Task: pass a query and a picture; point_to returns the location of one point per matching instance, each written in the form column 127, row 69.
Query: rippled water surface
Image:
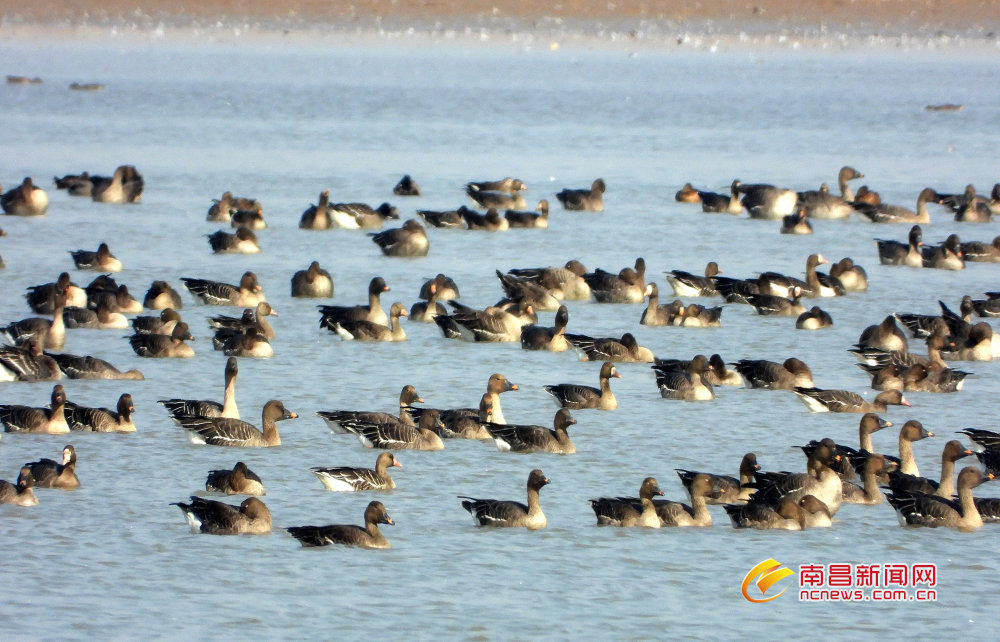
column 282, row 123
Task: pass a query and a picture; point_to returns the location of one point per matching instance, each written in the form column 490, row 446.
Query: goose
column 584, row 200
column 52, row 474
column 249, row 218
column 988, row 307
column 387, row 432
column 816, row 284
column 373, row 312
column 318, row 217
column 160, row 346
column 776, row 305
column 367, row 331
column 787, row 515
column 973, row 209
column 868, row 493
column 978, row 251
column 491, row 221
column 313, row 282
column 626, row 349
column 714, row 203
column 407, row 396
column 217, row 518
column 495, row 199
column 425, row 311
column 356, row 216
column 100, row 261
column 201, row 408
column 900, row 482
column 409, row 240
column 656, row 313
column 20, row 493
column 243, row 241
column 578, row 397
column 50, row 332
column 249, row 344
column 764, row 201
column 910, row 432
column 445, row 288
column 25, row 200
column 823, row 205
column 687, row 284
column 884, row 213
column 42, row 298
column 105, row 291
column 347, row 535
column 814, row 318
column 628, row 286
column 524, row 290
column 947, row 256
column 468, row 423
column 454, row 219
column 687, row 194
column 164, row 323
column 797, row 223
column 821, row 400
column 492, row 325
column 247, row 294
column 88, row 367
column 770, row 375
column 221, row 210
column 256, row 318
column 100, row 318
column 161, row 296
column 536, row 337
column 508, row 185
column 622, row 511
column 346, row 479
column 920, row 509
column 531, row 439
column 506, row 513
column 821, row 481
column 406, row 187
column 726, row 489
column 238, row 481
column 51, row 420
column 564, row 283
column 124, row 186
column 884, row 336
column 74, row 184
column 101, row 419
column 892, row 252
column 865, row 195
column 224, row 431
column 696, row 316
column 988, row 445
column 685, row 385
column 539, row 219
column 852, row 277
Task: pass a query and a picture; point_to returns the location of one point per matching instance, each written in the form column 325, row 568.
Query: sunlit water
column 282, row 123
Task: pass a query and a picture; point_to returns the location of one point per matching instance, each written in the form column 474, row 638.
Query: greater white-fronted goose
column 892, row 252
column 821, row 481
column 26, row 199
column 249, row 344
column 406, row 187
column 101, row 419
column 776, row 305
column 787, row 515
column 539, row 219
column 946, row 323
column 161, row 296
column 367, row 331
column 453, row 219
column 223, row 431
column 347, row 535
column 726, row 489
column 104, row 290
column 697, row 316
column 318, row 217
column 42, row 298
column 313, row 282
column 687, row 194
column 243, row 241
column 715, row 203
column 764, row 201
column 507, row 513
column 622, row 511
column 74, row 184
column 88, row 367
column 624, row 350
column 688, row 284
column 347, row 479
column 686, row 384
column 536, row 337
column 816, row 284
column 409, row 240
column 584, row 200
column 161, row 346
column 222, row 209
column 100, row 318
column 770, row 375
column 445, row 288
column 356, row 216
column 52, row 474
column 821, row 400
column 978, row 346
column 508, row 185
column 162, row 324
column 378, row 430
column 100, row 261
column 468, row 423
column 920, row 509
column 656, row 313
column 238, row 481
column 252, row 219
column 628, row 286
column 564, row 282
column 852, row 277
column 491, row 221
column 372, row 312
column 579, row 397
column 978, row 251
column 885, row 213
column 425, row 311
column 797, row 223
column 407, row 396
column 974, row 209
column 524, row 290
column 868, row 493
column 501, row 200
column 203, row 408
column 247, row 294
column 884, row 336
column 947, row 256
column 535, row 439
column 256, row 318
column 217, row 518
column 51, row 420
column 823, row 205
column 20, row 493
column 673, row 513
column 815, row 318
column 900, row 482
column 492, row 325
column 124, row 186
column 51, row 332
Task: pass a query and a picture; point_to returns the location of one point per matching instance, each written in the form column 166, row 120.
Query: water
column 282, row 122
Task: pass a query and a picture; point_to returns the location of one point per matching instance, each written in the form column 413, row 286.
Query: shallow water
column 282, row 123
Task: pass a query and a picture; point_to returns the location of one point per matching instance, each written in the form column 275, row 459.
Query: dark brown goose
column 686, row 384
column 247, row 294
column 51, row 420
column 467, row 423
column 362, row 330
column 238, row 481
column 42, row 298
column 539, row 219
column 52, row 474
column 406, row 187
column 584, row 200
column 87, row 367
column 372, row 312
column 622, row 511
column 20, row 493
column 409, row 240
column 216, row 518
column 102, row 419
column 628, row 286
column 624, row 350
column 101, row 260
column 162, row 324
column 820, row 400
column 507, row 513
column 947, row 256
column 578, row 397
column 533, row 439
column 900, row 482
column 726, row 489
column 313, row 282
column 920, row 509
column 347, row 535
column 203, row 408
column 51, row 332
column 553, row 339
column 161, row 346
column 892, row 252
column 242, row 241
column 227, row 326
column 770, row 375
column 378, row 430
column 124, row 186
column 347, row 479
column 26, row 199
column 682, row 515
column 222, row 431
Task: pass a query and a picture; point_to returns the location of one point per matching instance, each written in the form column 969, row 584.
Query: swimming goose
column 852, row 277
column 688, row 284
column 534, row 439
column 949, row 323
column 508, row 185
column 656, row 313
column 491, row 221
column 313, row 282
column 495, row 199
column 973, row 209
column 407, row 396
column 223, row 431
column 797, row 223
column 684, row 384
column 467, row 423
column 814, row 318
column 624, row 350
column 823, row 205
column 978, row 345
column 988, row 445
column 506, row 513
column 584, row 200
column 226, row 326
column 776, row 305
column 238, row 481
column 445, row 218
column 821, row 481
column 868, row 493
column 947, row 256
column 217, row 518
column 425, row 311
column 760, row 373
column 564, row 282
column 347, row 479
column 622, row 511
column 884, row 336
column 25, row 200
column 347, row 535
column 50, row 332
column 87, row 367
column 865, row 195
column 243, row 241
column 764, row 201
column 815, row 284
column 910, row 432
column 49, row 420
column 409, row 240
column 696, row 316
column 356, row 216
column 580, row 397
column 372, row 312
column 318, row 217
column 100, row 261
column 446, row 288
column 673, row 513
column 687, row 194
column 74, row 184
column 251, row 219
column 101, row 419
column 223, row 209
column 726, row 489
column 42, row 298
column 162, row 324
column 52, row 474
column 920, row 509
column 895, row 253
column 524, row 290
column 820, row 400
column 161, row 296
column 105, row 291
column 536, row 337
column 124, row 186
column 202, row 408
column 712, row 202
column 20, row 493
column 900, row 482
column 628, row 286
column 884, row 213
column 247, row 293
column 406, row 187
column 363, row 330
column 100, row 318
column 160, row 346
column 787, row 515
column 379, row 430
column 249, row 343
column 982, row 252
column 539, row 219
column 492, row 325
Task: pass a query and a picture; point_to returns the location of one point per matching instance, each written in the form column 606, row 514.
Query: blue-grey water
column 282, row 122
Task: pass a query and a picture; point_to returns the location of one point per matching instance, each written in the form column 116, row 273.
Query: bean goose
column 87, row 367
column 243, row 241
column 202, row 408
column 101, row 419
column 238, row 481
column 223, row 431
column 347, row 535
column 622, row 511
column 20, row 493
column 372, row 312
column 467, row 423
column 409, row 240
column 531, row 439
column 161, row 346
column 770, row 375
column 51, row 420
column 377, row 430
column 363, row 330
column 507, row 513
column 584, row 200
column 27, row 199
column 51, row 332
column 820, row 400
column 892, row 252
column 217, row 518
column 625, row 350
column 347, row 479
column 684, row 384
column 247, row 294
column 579, row 397
column 726, row 489
column 921, row 509
column 313, row 282
column 101, row 260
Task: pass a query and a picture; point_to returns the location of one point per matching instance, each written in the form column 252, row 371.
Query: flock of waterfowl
column 754, row 499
